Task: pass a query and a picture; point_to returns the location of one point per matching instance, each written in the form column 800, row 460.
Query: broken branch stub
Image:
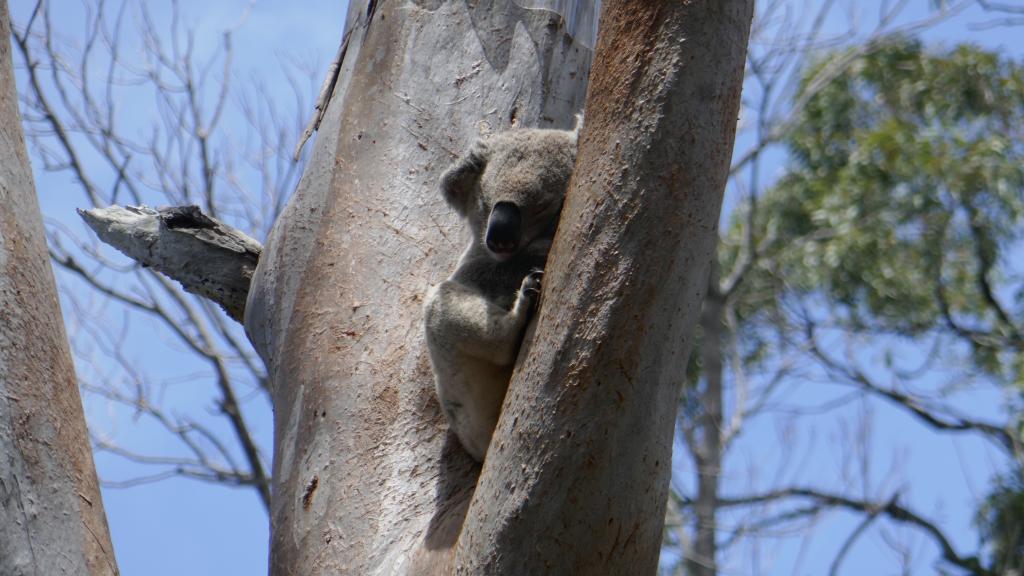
column 207, row 257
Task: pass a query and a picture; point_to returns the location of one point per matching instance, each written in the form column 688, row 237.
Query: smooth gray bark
column 367, row 480
column 51, row 515
column 576, row 479
column 206, row 256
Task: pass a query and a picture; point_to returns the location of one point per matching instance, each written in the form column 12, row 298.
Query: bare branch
column 946, row 422
column 208, row 258
column 324, row 97
column 1001, row 7
column 848, row 545
column 891, row 509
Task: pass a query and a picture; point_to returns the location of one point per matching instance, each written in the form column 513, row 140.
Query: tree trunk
column 577, row 477
column 366, row 481
column 708, row 453
column 51, row 514
column 366, row 478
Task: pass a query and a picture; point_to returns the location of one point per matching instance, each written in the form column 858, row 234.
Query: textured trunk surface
column 51, row 515
column 366, row 478
column 577, row 476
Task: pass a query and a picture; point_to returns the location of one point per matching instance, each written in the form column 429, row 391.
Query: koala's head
column 509, row 187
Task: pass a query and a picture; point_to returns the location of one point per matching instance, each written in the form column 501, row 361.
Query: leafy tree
column 1002, row 520
column 907, row 170
column 899, row 220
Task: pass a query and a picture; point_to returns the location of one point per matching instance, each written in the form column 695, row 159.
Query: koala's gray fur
column 509, row 189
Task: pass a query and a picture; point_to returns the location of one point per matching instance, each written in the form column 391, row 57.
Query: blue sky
column 181, row 526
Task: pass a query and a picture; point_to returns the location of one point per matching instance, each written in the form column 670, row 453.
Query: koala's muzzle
column 503, row 229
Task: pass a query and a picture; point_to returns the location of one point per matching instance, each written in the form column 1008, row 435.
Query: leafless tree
column 77, row 102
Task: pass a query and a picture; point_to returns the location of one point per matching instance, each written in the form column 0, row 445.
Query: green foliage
column 905, row 196
column 903, row 205
column 1001, row 520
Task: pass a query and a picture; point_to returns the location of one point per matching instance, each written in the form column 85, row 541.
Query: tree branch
column 984, row 252
column 601, row 408
column 850, row 540
column 947, row 422
column 207, row 257
column 890, row 509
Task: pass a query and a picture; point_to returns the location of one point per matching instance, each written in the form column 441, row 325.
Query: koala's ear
column 460, row 178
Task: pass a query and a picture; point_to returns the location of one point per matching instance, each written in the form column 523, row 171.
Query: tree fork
column 367, row 479
column 576, row 479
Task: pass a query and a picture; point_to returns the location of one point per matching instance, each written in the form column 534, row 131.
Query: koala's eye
column 538, row 205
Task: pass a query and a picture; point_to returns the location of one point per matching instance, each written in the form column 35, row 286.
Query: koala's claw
column 530, row 290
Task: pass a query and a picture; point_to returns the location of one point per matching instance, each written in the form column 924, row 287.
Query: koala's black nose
column 503, row 228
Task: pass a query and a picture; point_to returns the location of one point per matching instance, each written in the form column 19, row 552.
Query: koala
column 508, row 189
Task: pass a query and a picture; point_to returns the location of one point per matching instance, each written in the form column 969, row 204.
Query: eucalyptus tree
column 365, row 478
column 885, row 256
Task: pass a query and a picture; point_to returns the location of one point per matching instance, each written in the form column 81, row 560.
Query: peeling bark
column 206, row 256
column 576, row 479
column 51, row 514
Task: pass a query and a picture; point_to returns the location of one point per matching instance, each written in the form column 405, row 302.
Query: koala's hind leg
column 469, row 323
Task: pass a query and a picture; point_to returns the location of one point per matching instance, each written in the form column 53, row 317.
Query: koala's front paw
column 530, row 289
